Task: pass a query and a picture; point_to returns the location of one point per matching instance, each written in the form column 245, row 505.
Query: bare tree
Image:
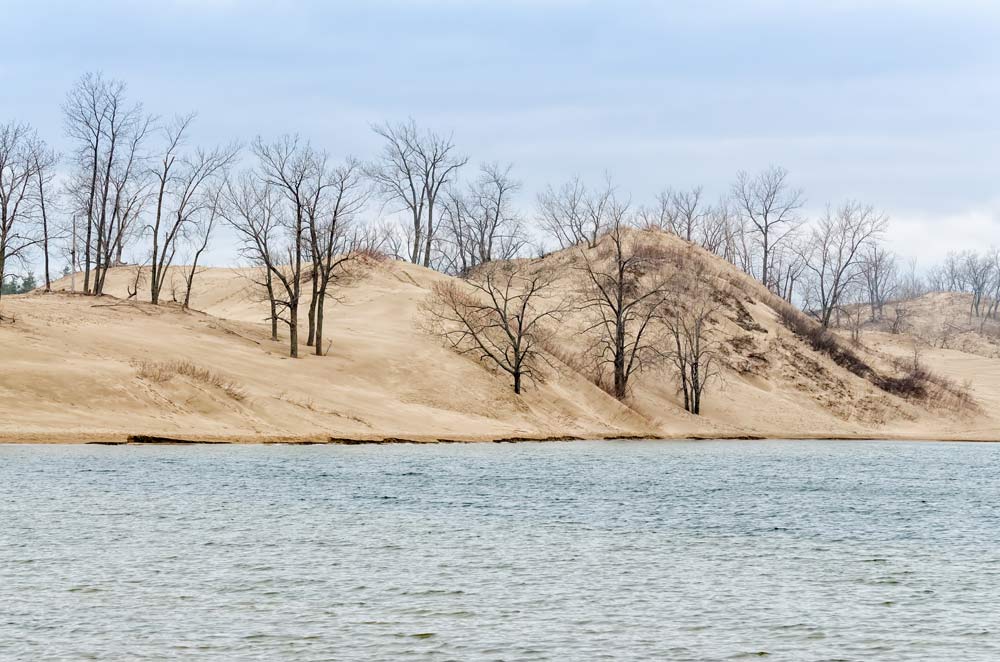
column 692, row 346
column 291, row 168
column 125, row 190
column 624, row 291
column 834, row 253
column 690, row 212
column 718, row 231
column 45, row 164
column 203, row 229
column 412, row 171
column 770, row 207
column 335, row 247
column 251, row 207
column 19, row 162
column 180, row 180
column 572, row 215
column 977, row 273
column 901, row 314
column 878, row 269
column 499, row 317
column 107, row 131
column 85, row 112
column 787, row 268
column 481, row 224
column 662, row 215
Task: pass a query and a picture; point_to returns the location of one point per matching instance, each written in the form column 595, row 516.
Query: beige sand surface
column 70, row 373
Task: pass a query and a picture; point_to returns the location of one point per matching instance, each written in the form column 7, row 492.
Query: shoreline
column 91, row 439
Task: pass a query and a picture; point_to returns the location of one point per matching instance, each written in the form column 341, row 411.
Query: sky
column 895, row 103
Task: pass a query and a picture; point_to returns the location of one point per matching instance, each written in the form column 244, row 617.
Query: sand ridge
column 73, row 371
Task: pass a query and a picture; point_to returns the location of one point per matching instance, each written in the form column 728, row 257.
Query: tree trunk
column 274, row 306
column 313, row 322
column 293, row 328
column 695, row 390
column 430, row 232
column 619, row 361
column 45, row 231
column 318, row 305
column 517, row 382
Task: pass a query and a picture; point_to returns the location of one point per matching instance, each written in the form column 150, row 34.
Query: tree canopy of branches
column 573, row 215
column 835, row 251
column 692, row 347
column 412, row 171
column 770, row 208
column 108, row 186
column 332, row 244
column 20, row 152
column 499, row 316
column 878, row 268
column 624, row 291
column 480, row 223
column 251, row 208
column 184, row 182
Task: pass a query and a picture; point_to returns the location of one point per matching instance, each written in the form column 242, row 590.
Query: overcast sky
column 893, row 102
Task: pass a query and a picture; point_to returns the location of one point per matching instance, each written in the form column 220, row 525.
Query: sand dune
column 77, row 368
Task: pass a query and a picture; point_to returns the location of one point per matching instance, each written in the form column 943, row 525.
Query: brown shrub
column 912, row 380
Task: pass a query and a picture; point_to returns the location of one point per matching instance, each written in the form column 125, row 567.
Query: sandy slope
column 70, row 373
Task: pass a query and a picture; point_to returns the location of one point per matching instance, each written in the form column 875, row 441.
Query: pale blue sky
column 896, row 103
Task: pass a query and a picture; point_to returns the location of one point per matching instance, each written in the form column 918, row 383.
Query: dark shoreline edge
column 151, row 440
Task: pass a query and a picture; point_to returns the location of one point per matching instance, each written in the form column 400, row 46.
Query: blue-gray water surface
column 557, row 551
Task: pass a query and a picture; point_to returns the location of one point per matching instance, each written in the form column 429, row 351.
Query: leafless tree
column 690, row 212
column 105, row 127
column 125, row 191
column 500, row 316
column 662, row 215
column 572, row 215
column 787, row 268
column 412, row 171
column 85, row 112
column 45, row 164
column 623, row 291
column 481, row 224
column 19, row 163
column 719, row 229
column 770, row 207
column 692, row 346
column 911, row 285
column 294, row 171
column 878, row 269
column 977, row 274
column 853, row 309
column 335, row 246
column 317, row 184
column 180, row 181
column 994, row 309
column 252, row 207
column 204, row 227
column 834, row 253
column 901, row 314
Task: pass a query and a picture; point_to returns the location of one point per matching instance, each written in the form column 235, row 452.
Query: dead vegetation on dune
column 160, row 372
column 910, row 380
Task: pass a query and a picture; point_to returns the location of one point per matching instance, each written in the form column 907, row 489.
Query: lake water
column 557, row 551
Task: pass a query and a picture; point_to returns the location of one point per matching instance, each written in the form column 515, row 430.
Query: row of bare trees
column 631, row 298
column 976, row 273
column 134, row 187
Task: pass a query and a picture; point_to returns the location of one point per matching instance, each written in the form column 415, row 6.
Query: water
column 561, row 551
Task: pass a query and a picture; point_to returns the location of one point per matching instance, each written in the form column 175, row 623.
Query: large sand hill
column 77, row 368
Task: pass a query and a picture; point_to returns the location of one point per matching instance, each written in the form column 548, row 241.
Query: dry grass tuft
column 163, row 371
